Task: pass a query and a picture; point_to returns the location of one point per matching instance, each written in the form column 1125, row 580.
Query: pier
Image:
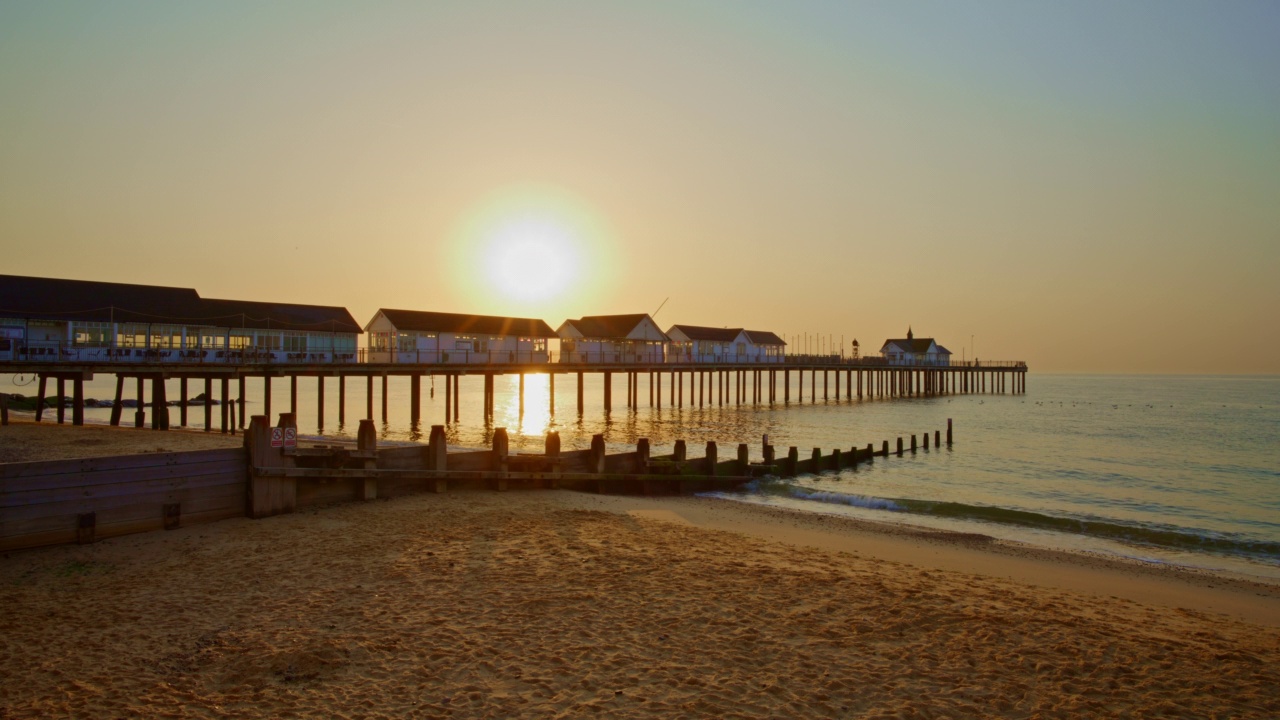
column 798, row 380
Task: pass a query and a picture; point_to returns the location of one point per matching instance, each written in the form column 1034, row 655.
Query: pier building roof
column 762, row 337
column 711, row 334
column 36, row 298
column 630, row 327
column 422, row 321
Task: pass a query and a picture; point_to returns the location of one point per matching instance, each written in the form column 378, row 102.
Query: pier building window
column 538, row 344
column 471, row 343
column 131, row 335
column 344, row 343
column 380, row 341
column 166, row 337
column 91, row 333
column 407, row 342
column 267, row 341
column 321, row 342
column 240, row 339
column 293, row 342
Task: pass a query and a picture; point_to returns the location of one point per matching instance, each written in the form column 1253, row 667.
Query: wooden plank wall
column 44, row 503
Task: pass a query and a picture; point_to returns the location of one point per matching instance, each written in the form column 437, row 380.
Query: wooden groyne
column 85, row 500
column 283, row 479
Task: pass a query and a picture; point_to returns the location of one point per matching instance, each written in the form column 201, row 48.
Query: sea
column 1163, row 469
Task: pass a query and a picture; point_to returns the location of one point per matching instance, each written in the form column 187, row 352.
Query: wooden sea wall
column 67, row 501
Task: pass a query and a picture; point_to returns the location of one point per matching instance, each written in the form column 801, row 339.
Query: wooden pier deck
column 698, row 384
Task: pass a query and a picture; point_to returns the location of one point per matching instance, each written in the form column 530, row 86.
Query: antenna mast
column 664, row 302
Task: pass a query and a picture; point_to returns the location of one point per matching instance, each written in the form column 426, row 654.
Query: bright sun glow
column 531, row 251
column 531, row 259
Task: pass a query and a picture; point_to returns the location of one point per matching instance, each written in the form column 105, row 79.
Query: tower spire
column 909, row 335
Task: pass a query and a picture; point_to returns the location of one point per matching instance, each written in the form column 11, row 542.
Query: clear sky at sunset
column 1088, row 186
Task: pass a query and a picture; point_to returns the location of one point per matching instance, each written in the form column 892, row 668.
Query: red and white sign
column 291, row 437
column 277, row 437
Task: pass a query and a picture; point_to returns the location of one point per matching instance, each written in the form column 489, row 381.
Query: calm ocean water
column 1173, row 469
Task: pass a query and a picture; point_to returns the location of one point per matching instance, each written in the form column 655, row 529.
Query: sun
column 532, row 251
column 531, row 259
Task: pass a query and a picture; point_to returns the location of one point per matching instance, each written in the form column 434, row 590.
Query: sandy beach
column 559, row 604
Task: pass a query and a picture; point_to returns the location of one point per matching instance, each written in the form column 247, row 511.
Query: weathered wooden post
column 342, row 399
column 366, row 437
column 948, row 432
column 226, row 404
column 913, row 442
column 552, row 451
column 159, row 405
column 268, row 494
column 815, row 460
column 937, row 436
column 768, row 454
column 642, row 450
column 139, row 415
column 240, row 399
column 926, row 440
column 208, row 403
column 835, row 454
column 501, row 450
column 438, row 457
column 293, row 395
column 744, row 459
column 77, row 400
column 415, row 398
column 40, row 397
column 793, row 461
column 62, row 400
column 367, row 445
column 871, row 453
column 580, row 403
column 679, row 454
column 384, row 399
column 182, row 402
column 116, row 407
column 266, row 395
column 884, row 449
column 595, row 460
column 608, row 391
column 712, row 458
column 899, row 446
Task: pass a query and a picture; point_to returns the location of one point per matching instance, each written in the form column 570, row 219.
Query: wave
column 1167, row 537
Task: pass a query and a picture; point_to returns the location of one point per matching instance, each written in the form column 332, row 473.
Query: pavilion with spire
column 912, row 350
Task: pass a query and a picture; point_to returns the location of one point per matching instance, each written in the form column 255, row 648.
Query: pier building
column 418, row 337
column 694, row 343
column 47, row 319
column 612, row 339
column 912, row 350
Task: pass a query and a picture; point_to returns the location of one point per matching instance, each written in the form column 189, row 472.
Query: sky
column 1087, row 186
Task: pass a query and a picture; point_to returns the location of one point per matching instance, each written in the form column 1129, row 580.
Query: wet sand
column 559, row 604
